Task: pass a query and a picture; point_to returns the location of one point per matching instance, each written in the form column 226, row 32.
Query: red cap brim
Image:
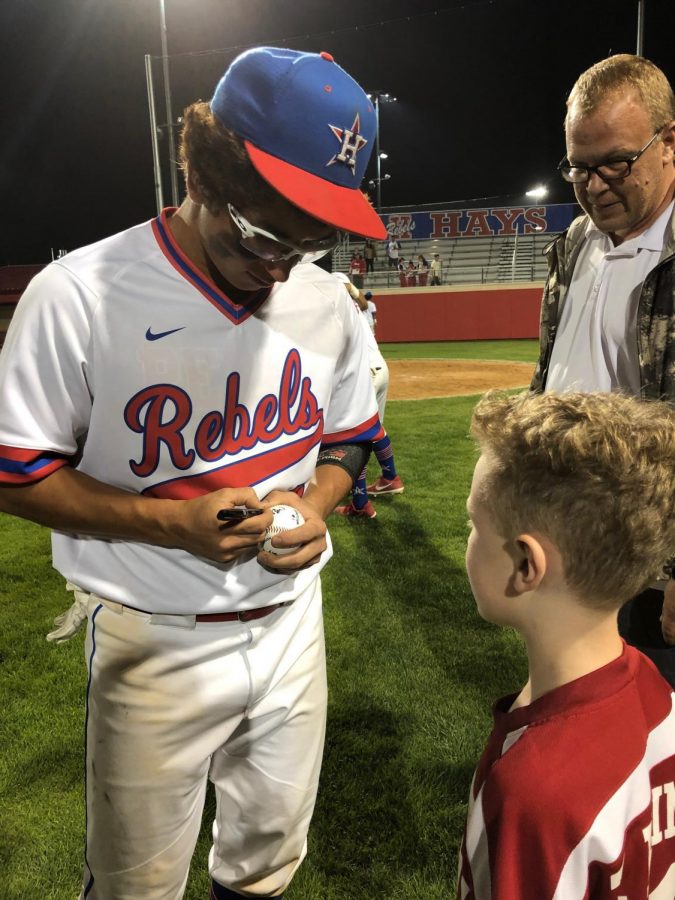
column 345, row 208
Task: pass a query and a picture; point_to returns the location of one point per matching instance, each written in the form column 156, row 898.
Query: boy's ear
column 530, row 564
column 193, row 188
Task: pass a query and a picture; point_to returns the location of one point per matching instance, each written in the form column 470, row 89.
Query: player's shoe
column 385, row 486
column 350, row 511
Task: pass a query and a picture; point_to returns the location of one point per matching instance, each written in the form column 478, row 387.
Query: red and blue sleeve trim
column 19, row 466
column 370, row 430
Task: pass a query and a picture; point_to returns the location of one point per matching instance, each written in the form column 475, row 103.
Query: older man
column 607, row 319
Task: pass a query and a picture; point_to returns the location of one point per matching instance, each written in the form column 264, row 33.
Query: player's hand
column 199, row 531
column 668, row 614
column 311, row 536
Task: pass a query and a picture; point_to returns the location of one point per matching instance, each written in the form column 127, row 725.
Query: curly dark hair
column 216, row 159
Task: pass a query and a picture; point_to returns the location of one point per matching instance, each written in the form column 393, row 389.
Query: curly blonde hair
column 624, row 71
column 595, row 473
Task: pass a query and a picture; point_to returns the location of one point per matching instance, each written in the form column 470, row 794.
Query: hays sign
column 486, row 222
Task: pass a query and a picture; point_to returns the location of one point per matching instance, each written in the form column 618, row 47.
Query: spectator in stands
column 422, row 267
column 436, row 269
column 369, row 254
column 607, row 320
column 357, row 269
column 389, row 481
column 393, row 250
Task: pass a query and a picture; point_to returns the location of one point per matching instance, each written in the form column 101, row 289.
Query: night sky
column 481, row 87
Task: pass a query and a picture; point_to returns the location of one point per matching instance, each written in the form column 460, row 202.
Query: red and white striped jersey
column 574, row 795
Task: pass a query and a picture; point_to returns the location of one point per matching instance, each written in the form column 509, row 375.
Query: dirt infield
column 420, row 379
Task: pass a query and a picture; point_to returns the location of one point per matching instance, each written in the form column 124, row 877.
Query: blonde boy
column 574, row 795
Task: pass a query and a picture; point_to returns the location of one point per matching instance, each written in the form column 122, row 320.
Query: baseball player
column 196, row 364
column 389, row 481
column 370, row 311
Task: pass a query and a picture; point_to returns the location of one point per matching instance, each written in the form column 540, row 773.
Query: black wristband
column 350, row 457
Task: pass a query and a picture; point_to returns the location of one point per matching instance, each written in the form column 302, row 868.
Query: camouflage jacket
column 655, row 334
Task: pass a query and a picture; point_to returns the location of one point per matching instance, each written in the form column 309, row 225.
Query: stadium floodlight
column 538, row 192
column 379, row 97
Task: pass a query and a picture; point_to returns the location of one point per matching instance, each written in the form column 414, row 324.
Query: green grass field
column 512, row 350
column 412, row 674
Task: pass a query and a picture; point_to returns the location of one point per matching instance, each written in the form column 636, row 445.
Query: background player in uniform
column 370, row 311
column 189, row 365
column 572, row 510
column 389, row 481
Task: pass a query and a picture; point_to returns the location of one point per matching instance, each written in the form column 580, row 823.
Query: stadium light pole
column 376, row 181
column 169, row 110
column 154, row 131
column 377, row 97
column 640, row 27
column 538, row 192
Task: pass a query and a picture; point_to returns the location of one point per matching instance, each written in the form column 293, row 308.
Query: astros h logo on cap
column 308, row 129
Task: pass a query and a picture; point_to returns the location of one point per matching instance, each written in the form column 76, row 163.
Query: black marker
column 236, row 513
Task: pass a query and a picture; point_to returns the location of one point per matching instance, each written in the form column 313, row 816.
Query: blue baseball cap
column 308, row 129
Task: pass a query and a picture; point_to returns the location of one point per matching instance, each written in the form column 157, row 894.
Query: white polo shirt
column 596, row 345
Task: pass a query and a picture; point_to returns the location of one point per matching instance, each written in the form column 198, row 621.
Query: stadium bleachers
column 475, row 260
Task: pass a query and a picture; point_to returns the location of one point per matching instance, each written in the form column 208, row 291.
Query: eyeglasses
column 611, row 170
column 267, row 246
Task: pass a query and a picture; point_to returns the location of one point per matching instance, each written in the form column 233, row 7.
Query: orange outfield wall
column 466, row 313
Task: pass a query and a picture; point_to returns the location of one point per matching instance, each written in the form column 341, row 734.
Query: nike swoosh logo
column 149, row 336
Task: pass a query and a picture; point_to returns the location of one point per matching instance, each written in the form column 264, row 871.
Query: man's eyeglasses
column 612, row 170
column 267, row 246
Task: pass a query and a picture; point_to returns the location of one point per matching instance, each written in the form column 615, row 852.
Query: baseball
column 285, row 518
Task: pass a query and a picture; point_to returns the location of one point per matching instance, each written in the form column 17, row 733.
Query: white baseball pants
column 380, row 376
column 172, row 703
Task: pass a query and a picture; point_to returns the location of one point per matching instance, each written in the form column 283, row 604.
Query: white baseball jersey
column 375, row 358
column 124, row 360
column 371, row 314
column 379, row 369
